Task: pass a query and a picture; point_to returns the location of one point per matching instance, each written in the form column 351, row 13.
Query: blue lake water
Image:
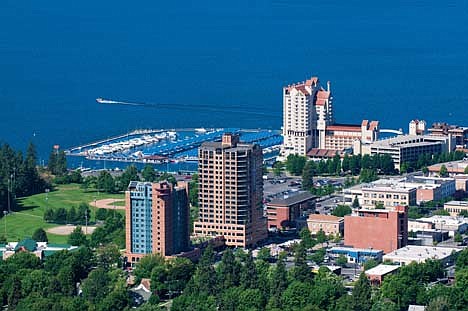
column 391, row 61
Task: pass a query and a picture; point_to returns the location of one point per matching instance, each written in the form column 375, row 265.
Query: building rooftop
column 452, row 167
column 321, row 217
column 420, row 253
column 355, row 250
column 457, row 203
column 294, row 199
column 382, row 269
column 408, row 141
column 446, row 220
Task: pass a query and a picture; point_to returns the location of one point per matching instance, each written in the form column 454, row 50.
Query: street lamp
column 5, row 213
column 47, row 197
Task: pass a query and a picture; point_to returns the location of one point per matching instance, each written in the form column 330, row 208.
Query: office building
column 157, row 219
column 385, row 230
column 408, row 148
column 283, row 212
column 307, row 110
column 329, row 224
column 231, row 191
column 419, row 254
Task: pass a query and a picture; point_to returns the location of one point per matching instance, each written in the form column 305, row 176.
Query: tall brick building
column 385, row 230
column 231, row 191
column 156, row 219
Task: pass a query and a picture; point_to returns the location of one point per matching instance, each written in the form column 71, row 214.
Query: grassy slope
column 29, row 214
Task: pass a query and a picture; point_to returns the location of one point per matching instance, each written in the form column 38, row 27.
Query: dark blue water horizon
column 392, row 62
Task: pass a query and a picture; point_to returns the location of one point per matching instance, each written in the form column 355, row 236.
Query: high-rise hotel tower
column 157, row 219
column 231, row 192
column 307, row 110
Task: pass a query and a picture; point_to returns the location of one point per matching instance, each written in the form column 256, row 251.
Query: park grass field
column 28, row 216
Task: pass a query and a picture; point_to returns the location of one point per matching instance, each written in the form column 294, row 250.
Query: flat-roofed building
column 283, row 212
column 230, row 196
column 452, row 224
column 459, row 133
column 418, row 225
column 456, row 207
column 329, row 224
column 389, row 195
column 419, row 254
column 386, row 230
column 453, row 167
column 356, row 255
column 407, row 148
column 377, row 274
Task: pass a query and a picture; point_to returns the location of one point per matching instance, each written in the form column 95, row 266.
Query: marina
column 168, row 150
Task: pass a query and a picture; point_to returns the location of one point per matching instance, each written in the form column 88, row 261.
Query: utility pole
column 86, row 222
column 5, row 213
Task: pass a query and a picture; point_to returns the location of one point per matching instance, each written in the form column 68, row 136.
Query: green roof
column 48, row 253
column 2, row 245
column 28, row 243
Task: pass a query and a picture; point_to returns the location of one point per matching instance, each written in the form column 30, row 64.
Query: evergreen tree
column 301, row 271
column 52, row 163
column 40, row 235
column 248, row 277
column 308, row 175
column 77, row 237
column 228, row 270
column 71, row 215
column 279, row 281
column 443, row 171
column 362, row 293
column 204, row 280
column 148, row 173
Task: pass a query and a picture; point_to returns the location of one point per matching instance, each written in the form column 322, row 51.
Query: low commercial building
column 356, row 255
column 329, row 224
column 407, row 148
column 419, row 254
column 386, row 230
column 418, row 225
column 377, row 274
column 461, row 182
column 456, row 207
column 453, row 168
column 452, row 224
column 282, row 213
column 458, row 133
column 40, row 249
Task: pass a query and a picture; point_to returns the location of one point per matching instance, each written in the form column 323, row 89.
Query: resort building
column 385, row 230
column 156, row 219
column 329, row 224
column 456, row 207
column 407, row 148
column 344, row 136
column 230, row 186
column 40, row 249
column 282, row 213
column 458, row 133
column 417, row 127
column 307, row 110
column 419, row 254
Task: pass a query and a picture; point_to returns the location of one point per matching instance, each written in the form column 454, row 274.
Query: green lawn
column 29, row 214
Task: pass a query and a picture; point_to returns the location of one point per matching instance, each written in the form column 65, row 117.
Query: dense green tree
column 77, row 237
column 295, row 164
column 148, row 173
column 101, row 214
column 193, row 190
column 458, row 237
column 228, row 270
column 248, row 276
column 301, row 271
column 438, row 304
column 40, row 235
column 362, row 293
column 306, row 238
column 297, row 296
column 321, row 236
column 130, row 174
column 96, row 286
column 204, row 280
column 23, row 260
column 108, row 256
column 342, row 261
column 355, row 202
column 443, row 171
column 105, row 182
column 308, row 175
column 71, row 215
column 146, row 265
column 367, row 175
column 318, row 256
column 341, row 210
column 60, row 215
column 264, row 254
column 278, row 168
column 279, row 281
column 441, row 212
column 370, row 263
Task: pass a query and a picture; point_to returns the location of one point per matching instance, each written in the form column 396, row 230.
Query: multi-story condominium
column 386, row 230
column 157, row 219
column 307, row 110
column 230, row 192
column 407, row 148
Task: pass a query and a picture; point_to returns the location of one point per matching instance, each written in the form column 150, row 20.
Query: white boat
column 200, row 130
